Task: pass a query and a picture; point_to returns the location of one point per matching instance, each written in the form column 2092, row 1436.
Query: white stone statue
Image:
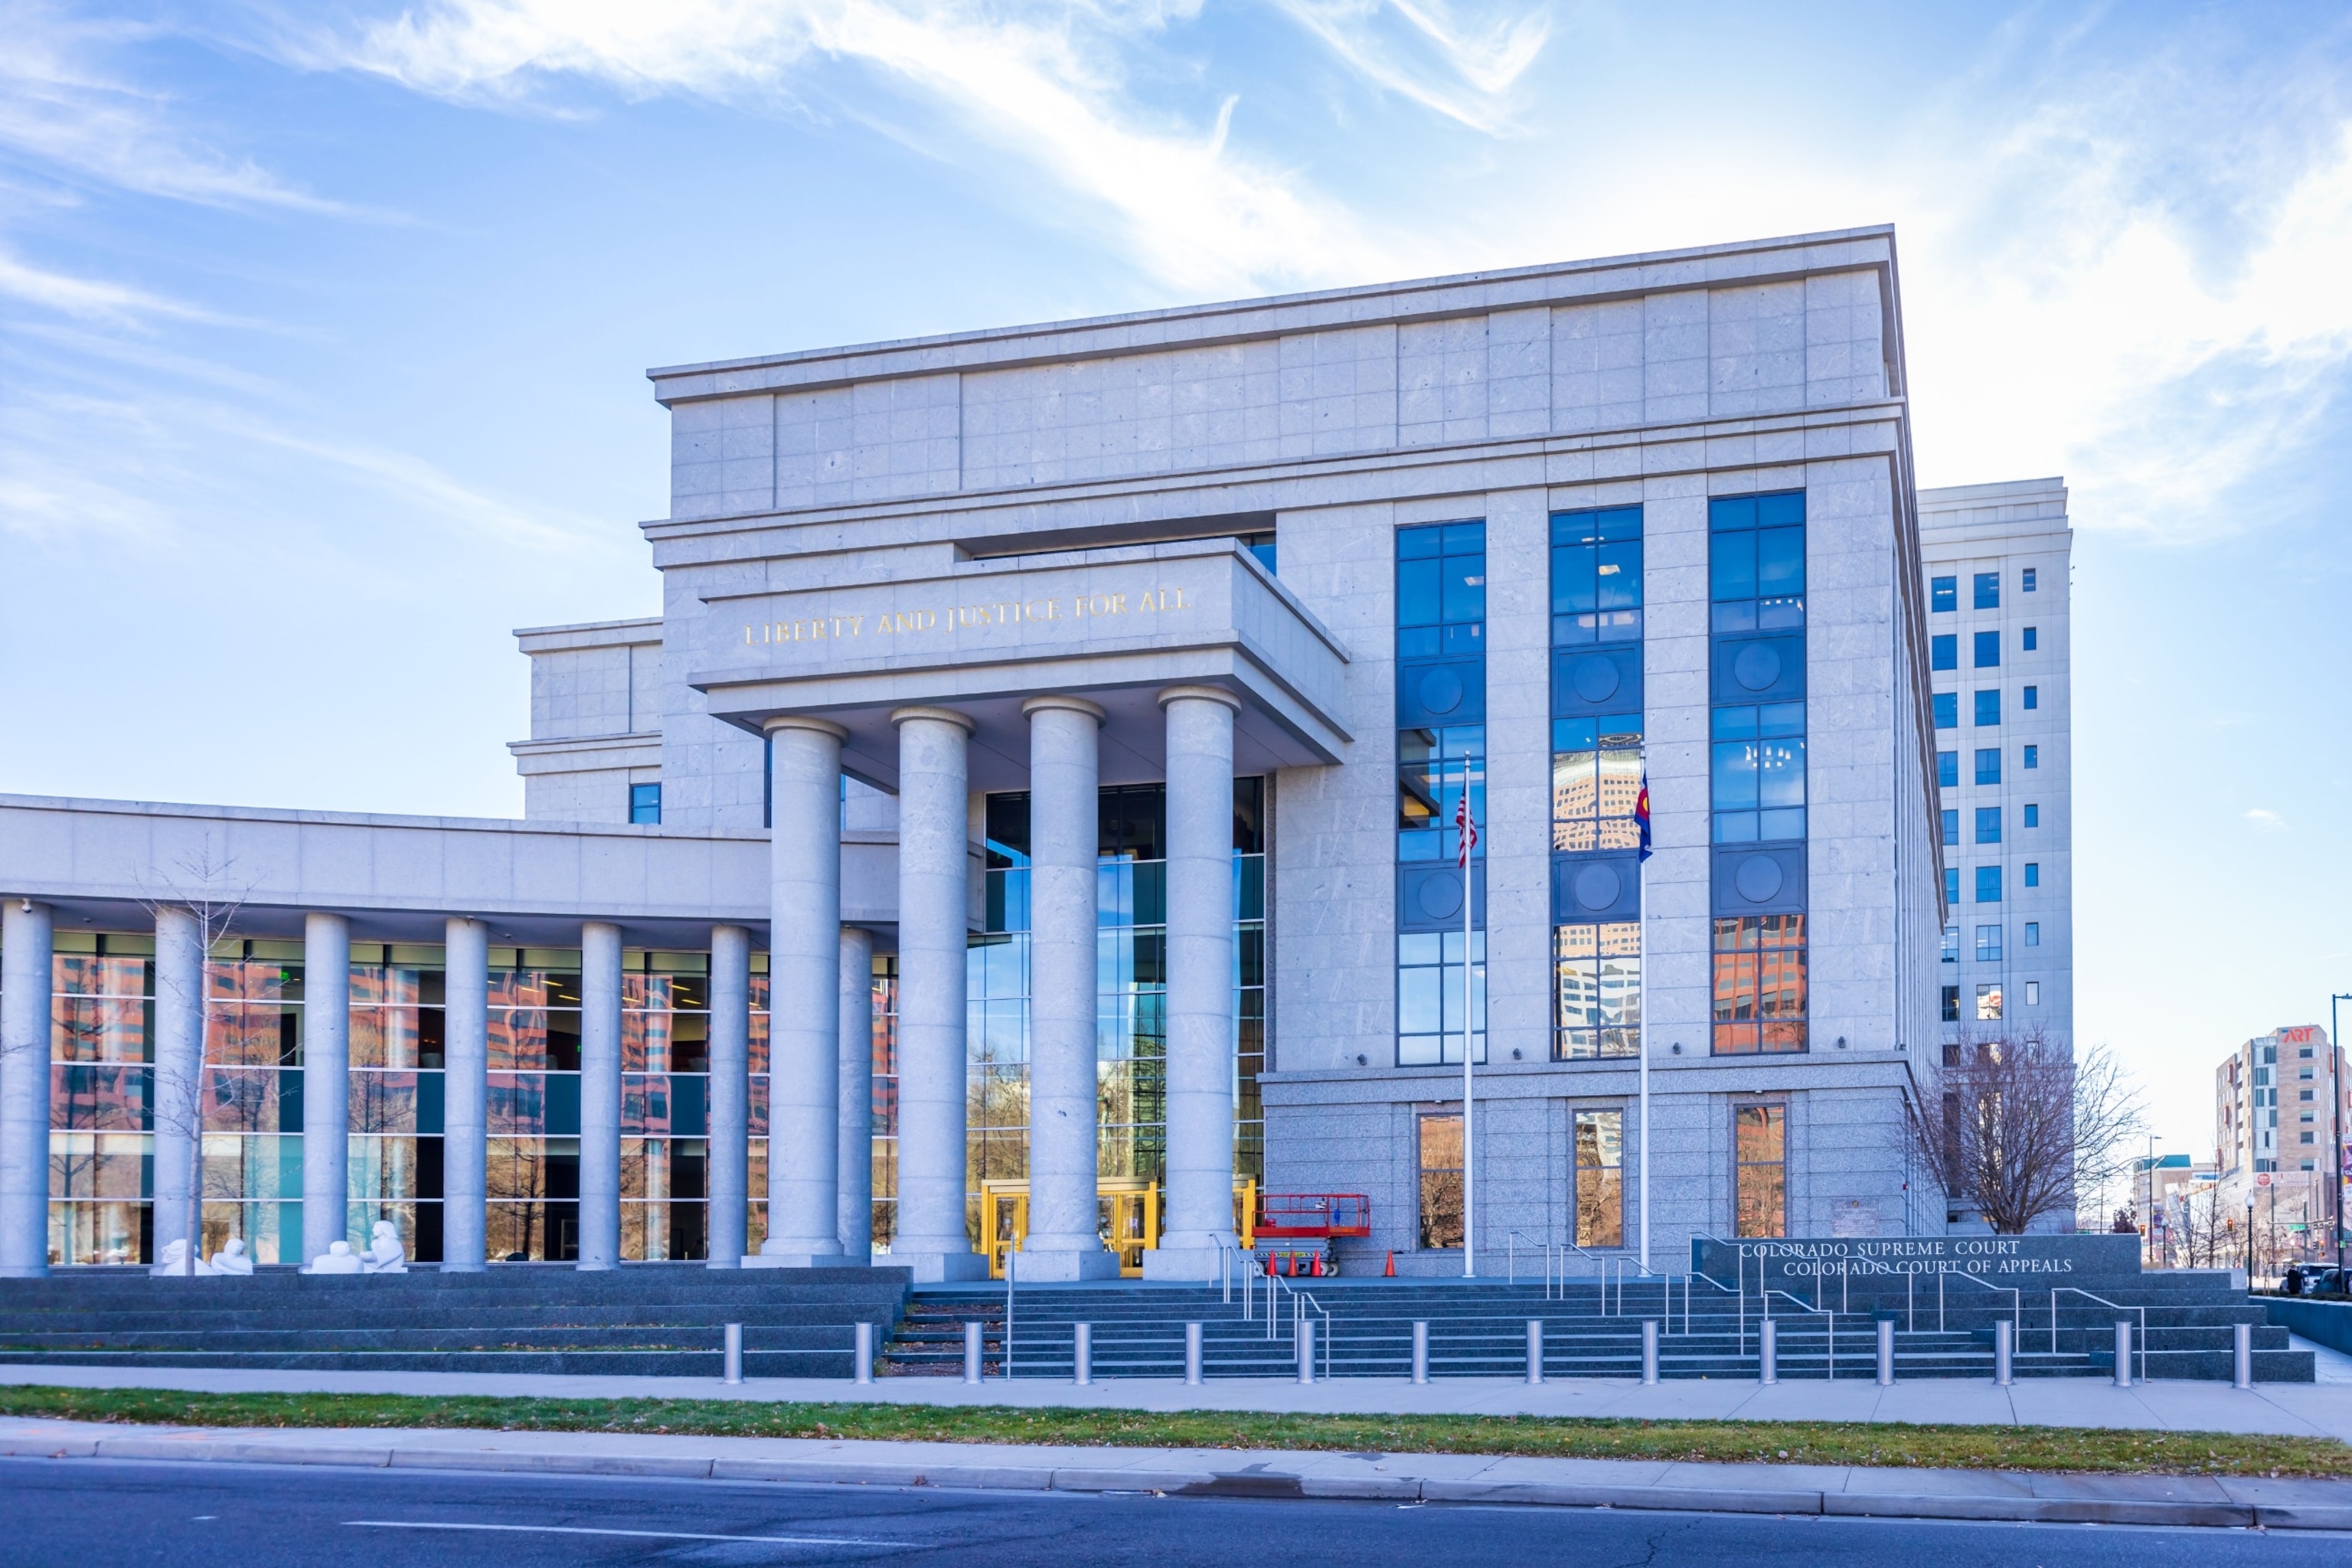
column 384, row 1254
column 175, row 1261
column 232, row 1258
column 339, row 1258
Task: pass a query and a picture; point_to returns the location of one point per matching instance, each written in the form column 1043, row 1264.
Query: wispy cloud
column 89, row 299
column 2137, row 284
column 62, row 104
column 1462, row 68
column 2266, row 819
column 1042, row 85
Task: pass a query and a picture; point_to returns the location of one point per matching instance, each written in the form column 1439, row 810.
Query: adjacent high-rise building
column 1996, row 559
column 2279, row 1106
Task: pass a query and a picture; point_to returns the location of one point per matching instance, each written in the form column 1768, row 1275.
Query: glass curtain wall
column 886, row 1099
column 398, row 1027
column 1131, row 992
column 1756, row 577
column 1596, row 782
column 1441, row 647
column 101, row 1046
column 664, row 1096
column 252, row 1100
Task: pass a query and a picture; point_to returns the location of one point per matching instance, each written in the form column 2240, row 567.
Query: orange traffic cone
column 1389, row 1272
column 1318, row 1266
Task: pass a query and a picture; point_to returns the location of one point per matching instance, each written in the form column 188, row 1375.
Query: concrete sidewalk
column 1852, row 1491
column 2303, row 1410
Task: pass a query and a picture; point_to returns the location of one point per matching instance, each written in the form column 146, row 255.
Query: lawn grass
column 2046, row 1448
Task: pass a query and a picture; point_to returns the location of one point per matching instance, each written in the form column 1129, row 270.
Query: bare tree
column 200, row 888
column 2018, row 1127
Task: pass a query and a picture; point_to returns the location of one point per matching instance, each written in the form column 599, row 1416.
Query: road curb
column 2094, row 1504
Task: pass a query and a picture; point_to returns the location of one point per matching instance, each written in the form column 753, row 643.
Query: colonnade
column 819, row 1174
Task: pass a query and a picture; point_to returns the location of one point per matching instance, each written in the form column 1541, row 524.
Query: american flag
column 1466, row 829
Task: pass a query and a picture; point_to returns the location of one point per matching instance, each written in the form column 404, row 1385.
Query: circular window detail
column 1594, row 677
column 1441, row 896
column 1757, row 879
column 1440, row 691
column 1757, row 667
column 1596, row 886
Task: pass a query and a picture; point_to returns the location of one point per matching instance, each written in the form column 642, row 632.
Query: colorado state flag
column 1642, row 812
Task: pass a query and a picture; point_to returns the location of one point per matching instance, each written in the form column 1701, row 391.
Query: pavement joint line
column 1845, row 1491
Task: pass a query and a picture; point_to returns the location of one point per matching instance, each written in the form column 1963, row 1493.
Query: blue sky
column 322, row 327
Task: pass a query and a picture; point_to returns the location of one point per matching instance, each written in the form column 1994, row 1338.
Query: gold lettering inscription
column 956, row 617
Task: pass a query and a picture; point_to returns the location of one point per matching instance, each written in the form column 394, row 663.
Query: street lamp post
column 2250, row 1240
column 2336, row 1129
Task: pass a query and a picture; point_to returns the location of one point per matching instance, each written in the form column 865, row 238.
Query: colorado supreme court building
column 1035, row 812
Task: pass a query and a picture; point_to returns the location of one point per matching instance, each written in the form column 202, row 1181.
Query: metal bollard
column 1306, row 1348
column 1191, row 1355
column 2004, row 1352
column 1649, row 1351
column 2122, row 1352
column 864, row 1372
column 2243, row 1345
column 1886, row 1352
column 732, row 1358
column 971, row 1351
column 1535, row 1350
column 1767, row 1353
column 1420, row 1350
column 1082, row 1355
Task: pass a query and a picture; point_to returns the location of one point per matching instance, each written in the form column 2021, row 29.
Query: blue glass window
column 1988, row 650
column 1943, row 592
column 1989, row 706
column 1596, row 576
column 2032, row 758
column 2032, row 698
column 2030, row 638
column 1757, row 561
column 2034, row 873
column 1947, row 710
column 2028, row 579
column 1758, row 773
column 1988, row 824
column 1434, row 767
column 1944, row 651
column 645, row 804
column 1262, row 546
column 1441, row 590
column 1988, row 945
column 1947, row 770
column 1989, row 764
column 2033, row 933
column 2032, row 817
column 1987, row 590
column 1987, row 884
column 1952, row 885
column 1952, row 828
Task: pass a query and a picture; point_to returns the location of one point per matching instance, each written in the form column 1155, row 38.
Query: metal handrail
column 1228, row 1258
column 1511, row 1240
column 1011, row 1253
column 1299, row 1303
column 2102, row 1301
column 2016, row 1300
column 1823, row 1312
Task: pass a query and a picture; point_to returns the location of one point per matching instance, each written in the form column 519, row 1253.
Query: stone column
column 465, row 1096
column 179, row 1064
column 934, row 839
column 26, row 979
column 805, row 996
column 1200, row 1203
column 856, row 1148
column 1064, row 828
column 729, row 1124
column 600, row 1095
column 326, row 1082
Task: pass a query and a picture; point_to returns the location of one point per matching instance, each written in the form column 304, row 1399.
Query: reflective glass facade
column 1440, row 644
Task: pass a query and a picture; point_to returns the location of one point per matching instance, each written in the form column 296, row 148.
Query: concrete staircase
column 1479, row 1329
column 661, row 1318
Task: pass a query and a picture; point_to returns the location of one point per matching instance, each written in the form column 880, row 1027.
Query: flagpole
column 1467, row 836
column 1642, row 1037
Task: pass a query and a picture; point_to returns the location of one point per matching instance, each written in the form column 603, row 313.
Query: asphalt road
column 84, row 1513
